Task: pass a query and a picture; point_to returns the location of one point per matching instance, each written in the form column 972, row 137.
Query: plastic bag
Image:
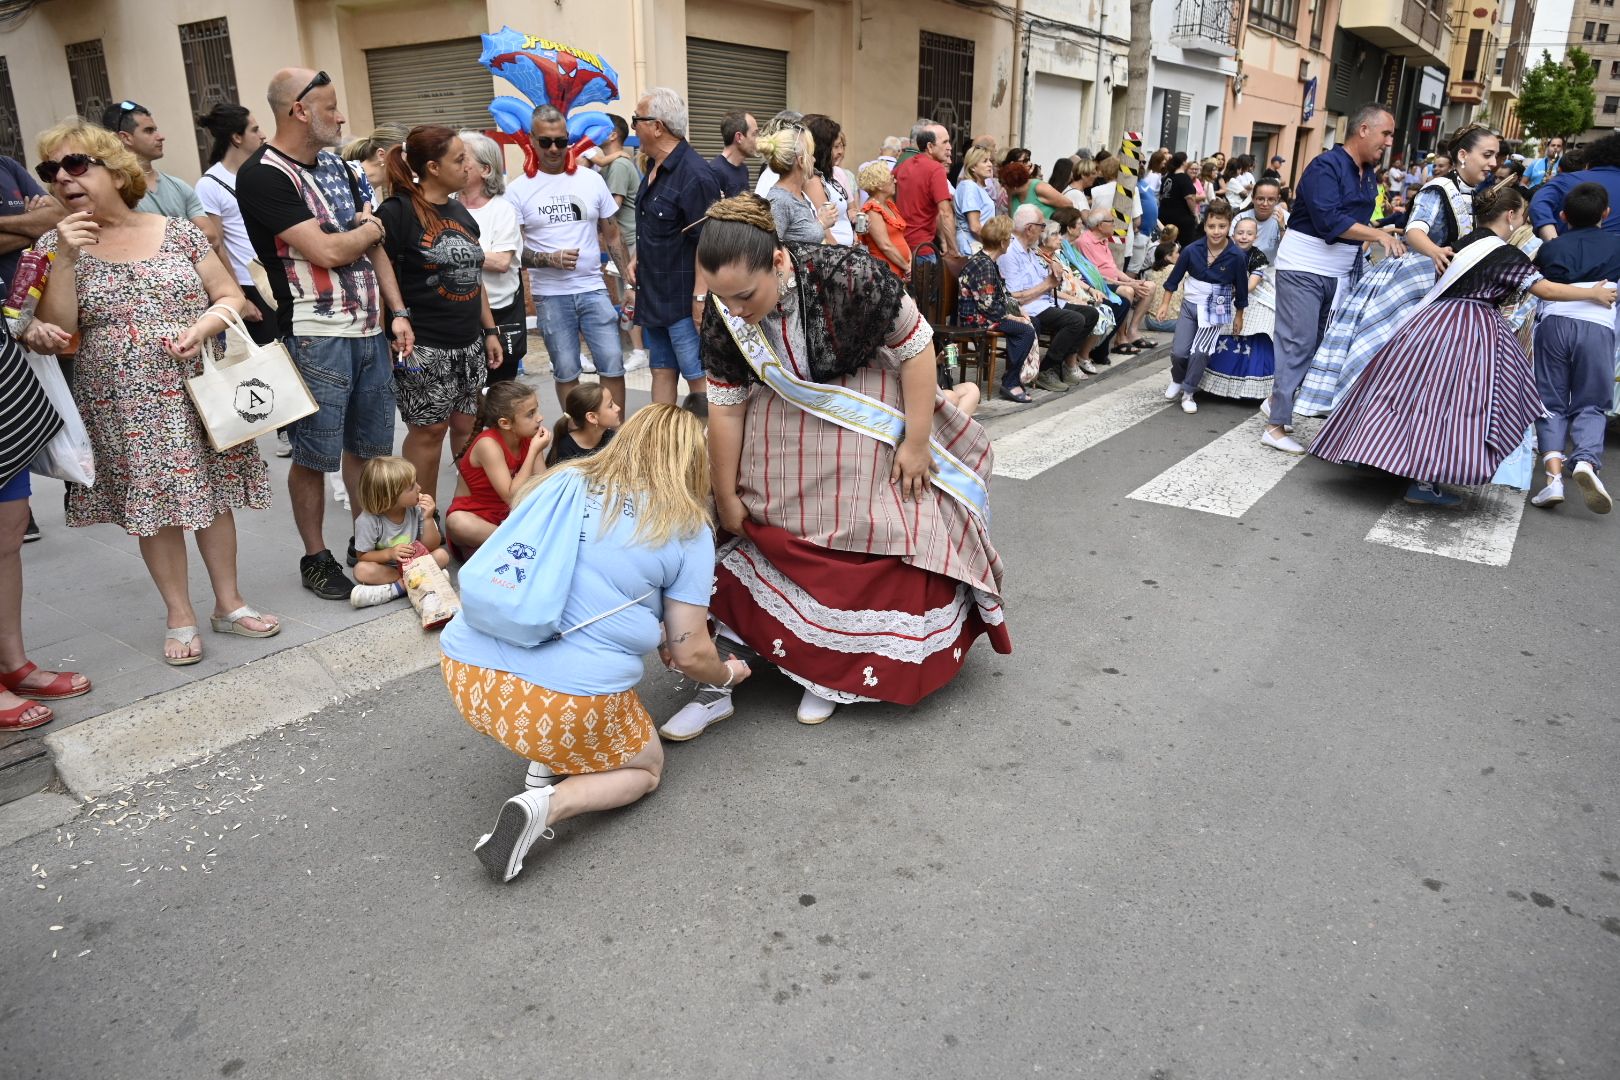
column 68, row 456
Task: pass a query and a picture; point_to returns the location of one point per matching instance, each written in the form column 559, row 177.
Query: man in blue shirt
column 1545, row 167
column 1602, row 167
column 740, row 132
column 675, row 195
column 26, row 214
column 1331, row 219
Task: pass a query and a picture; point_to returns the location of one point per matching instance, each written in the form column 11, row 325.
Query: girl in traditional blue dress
column 1367, row 318
column 1244, row 365
column 1448, row 398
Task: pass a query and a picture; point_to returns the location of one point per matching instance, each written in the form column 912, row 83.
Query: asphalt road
column 1254, row 798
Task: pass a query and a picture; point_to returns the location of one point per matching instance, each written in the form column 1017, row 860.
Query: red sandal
column 12, row 719
column 58, row 689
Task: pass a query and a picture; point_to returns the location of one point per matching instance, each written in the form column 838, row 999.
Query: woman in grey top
column 790, row 152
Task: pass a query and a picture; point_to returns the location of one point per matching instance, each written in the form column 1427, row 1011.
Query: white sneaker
column 587, row 365
column 283, row 445
column 1088, row 367
column 1172, row 391
column 1597, row 496
column 371, row 595
column 1284, row 442
column 539, row 776
column 636, row 360
column 1188, row 405
column 814, row 709
column 522, row 821
column 1551, row 495
column 711, row 706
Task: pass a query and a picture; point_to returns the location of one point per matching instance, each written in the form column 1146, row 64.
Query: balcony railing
column 1205, row 25
column 1420, row 17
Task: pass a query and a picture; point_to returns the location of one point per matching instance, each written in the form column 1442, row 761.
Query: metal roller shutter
column 721, row 77
column 440, row 82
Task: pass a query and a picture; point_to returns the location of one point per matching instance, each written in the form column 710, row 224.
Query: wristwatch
column 402, row 313
column 492, row 331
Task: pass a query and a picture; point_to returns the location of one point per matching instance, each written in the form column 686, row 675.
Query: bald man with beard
column 317, row 239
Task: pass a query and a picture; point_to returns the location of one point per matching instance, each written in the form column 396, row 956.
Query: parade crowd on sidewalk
column 817, row 500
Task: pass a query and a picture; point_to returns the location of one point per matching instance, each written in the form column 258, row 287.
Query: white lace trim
column 921, row 336
column 842, row 697
column 727, row 395
column 897, row 635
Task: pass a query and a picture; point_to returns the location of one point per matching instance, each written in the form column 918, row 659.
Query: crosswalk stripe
column 1227, row 476
column 1481, row 530
column 1030, row 451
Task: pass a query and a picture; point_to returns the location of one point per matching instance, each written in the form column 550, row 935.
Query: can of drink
column 627, row 314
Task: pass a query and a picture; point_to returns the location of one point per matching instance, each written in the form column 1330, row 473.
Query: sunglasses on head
column 75, row 164
column 550, row 142
column 321, row 79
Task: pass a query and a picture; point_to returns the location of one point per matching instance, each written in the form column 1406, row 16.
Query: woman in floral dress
column 136, row 288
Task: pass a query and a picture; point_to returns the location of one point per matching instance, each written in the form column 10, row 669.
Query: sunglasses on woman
column 75, row 164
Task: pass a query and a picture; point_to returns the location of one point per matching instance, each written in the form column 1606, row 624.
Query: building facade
column 1194, row 51
column 1512, row 52
column 1075, row 77
column 1477, row 32
column 1394, row 52
column 416, row 61
column 1275, row 103
column 1595, row 27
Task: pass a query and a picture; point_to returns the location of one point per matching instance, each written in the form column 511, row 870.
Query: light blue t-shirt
column 606, row 656
column 971, row 196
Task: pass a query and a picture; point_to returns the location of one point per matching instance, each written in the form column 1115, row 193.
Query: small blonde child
column 395, row 516
column 590, row 417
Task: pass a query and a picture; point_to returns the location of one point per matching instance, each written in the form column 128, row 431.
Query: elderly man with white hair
column 670, row 208
column 501, row 237
column 1034, row 284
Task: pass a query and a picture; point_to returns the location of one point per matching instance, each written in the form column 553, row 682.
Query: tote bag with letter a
column 243, row 398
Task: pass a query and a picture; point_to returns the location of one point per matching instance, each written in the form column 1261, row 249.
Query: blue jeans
column 1020, row 339
column 352, row 380
column 674, row 347
column 564, row 318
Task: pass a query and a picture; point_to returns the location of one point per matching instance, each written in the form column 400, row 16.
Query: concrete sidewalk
column 90, row 606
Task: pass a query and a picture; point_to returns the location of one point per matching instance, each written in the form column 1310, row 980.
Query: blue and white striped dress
column 1367, row 318
column 1448, row 398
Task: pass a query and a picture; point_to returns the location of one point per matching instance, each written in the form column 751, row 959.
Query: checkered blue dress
column 1367, row 318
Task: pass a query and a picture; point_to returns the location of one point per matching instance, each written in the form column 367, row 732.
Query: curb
column 111, row 751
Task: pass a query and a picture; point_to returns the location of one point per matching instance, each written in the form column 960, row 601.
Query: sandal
column 1018, row 394
column 1126, row 350
column 185, row 635
column 1143, row 343
column 12, row 719
column 232, row 624
column 60, row 688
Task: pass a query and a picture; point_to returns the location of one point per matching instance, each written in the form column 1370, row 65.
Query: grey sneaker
column 1051, row 380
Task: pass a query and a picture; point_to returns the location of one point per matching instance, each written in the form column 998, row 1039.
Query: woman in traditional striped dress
column 862, row 564
column 1448, row 398
column 1365, row 319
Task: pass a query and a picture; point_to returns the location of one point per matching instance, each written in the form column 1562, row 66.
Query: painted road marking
column 1030, row 451
column 1482, row 530
column 1227, row 476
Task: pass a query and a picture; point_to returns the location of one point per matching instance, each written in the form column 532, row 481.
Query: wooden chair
column 933, row 287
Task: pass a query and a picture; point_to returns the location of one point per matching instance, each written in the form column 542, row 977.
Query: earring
column 781, row 287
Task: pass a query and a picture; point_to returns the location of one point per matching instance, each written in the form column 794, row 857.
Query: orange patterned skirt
column 567, row 733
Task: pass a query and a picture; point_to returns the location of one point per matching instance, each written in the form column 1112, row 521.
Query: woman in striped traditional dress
column 1450, row 395
column 862, row 564
column 1365, row 319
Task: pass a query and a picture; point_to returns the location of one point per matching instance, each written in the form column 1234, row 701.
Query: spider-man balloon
column 548, row 73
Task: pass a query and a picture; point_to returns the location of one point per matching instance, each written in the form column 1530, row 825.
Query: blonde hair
column 660, row 460
column 382, row 481
column 1084, row 169
column 973, row 158
column 381, row 138
column 98, row 142
column 874, row 174
column 786, row 146
column 996, row 232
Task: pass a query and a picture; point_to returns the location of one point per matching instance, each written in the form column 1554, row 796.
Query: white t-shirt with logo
column 558, row 213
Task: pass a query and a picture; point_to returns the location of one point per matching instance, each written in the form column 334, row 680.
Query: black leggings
column 1069, row 327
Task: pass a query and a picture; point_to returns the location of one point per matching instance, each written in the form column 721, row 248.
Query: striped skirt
column 1362, row 323
column 1446, row 400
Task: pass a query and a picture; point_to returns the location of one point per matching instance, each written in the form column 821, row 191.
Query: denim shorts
column 563, row 319
column 674, row 347
column 352, row 380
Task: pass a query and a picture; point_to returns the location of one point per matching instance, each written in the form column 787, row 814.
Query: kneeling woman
column 646, row 557
column 857, row 491
column 1450, row 395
